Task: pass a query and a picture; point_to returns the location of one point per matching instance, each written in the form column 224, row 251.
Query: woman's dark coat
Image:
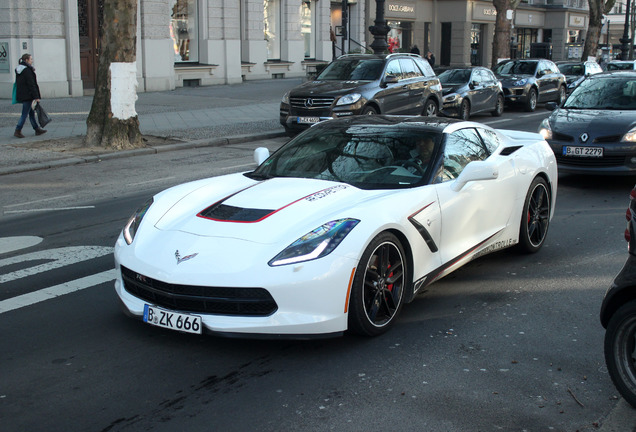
column 26, row 83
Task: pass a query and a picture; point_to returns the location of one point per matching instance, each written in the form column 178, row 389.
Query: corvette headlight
column 315, row 244
column 630, row 136
column 545, row 130
column 135, row 220
column 285, row 98
column 520, row 82
column 349, row 99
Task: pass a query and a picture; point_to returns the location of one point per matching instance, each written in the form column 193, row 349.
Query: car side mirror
column 476, row 170
column 551, row 106
column 391, row 79
column 260, row 155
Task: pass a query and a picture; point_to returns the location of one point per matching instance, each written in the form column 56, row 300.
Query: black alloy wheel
column 378, row 287
column 531, row 103
column 620, row 351
column 535, row 218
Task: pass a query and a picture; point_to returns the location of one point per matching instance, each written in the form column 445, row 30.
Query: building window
column 184, row 30
column 525, row 38
column 306, row 26
column 272, row 26
column 475, row 45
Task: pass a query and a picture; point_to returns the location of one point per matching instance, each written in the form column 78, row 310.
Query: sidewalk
column 188, row 117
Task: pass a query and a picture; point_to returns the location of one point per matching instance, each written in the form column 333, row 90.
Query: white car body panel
column 312, row 296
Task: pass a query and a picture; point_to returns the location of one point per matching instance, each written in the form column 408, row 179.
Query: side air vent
column 509, row 150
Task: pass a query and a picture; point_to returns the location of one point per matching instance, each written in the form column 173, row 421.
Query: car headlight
column 349, row 99
column 520, row 82
column 135, row 220
column 285, row 98
column 545, row 130
column 630, row 136
column 315, row 244
column 451, row 97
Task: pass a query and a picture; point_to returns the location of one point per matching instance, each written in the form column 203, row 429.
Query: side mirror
column 391, row 79
column 477, row 170
column 260, row 155
column 551, row 106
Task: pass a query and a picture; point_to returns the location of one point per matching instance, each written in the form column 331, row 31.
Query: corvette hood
column 596, row 123
column 262, row 211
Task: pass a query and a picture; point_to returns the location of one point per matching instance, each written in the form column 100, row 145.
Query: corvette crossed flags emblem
column 177, row 255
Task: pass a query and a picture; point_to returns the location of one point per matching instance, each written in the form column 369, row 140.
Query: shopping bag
column 14, row 99
column 43, row 117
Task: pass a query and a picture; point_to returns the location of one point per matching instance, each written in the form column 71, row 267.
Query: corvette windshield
column 608, row 92
column 353, row 70
column 366, row 156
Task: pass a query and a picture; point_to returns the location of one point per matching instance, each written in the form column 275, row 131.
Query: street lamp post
column 380, row 29
column 625, row 40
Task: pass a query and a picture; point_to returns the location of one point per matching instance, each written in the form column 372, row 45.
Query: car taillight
column 628, row 215
column 628, row 236
column 632, row 194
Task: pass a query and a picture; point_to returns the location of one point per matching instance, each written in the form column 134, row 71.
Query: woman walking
column 27, row 91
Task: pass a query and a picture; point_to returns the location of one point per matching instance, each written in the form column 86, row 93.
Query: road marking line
column 48, row 209
column 10, row 244
column 150, row 181
column 56, row 291
column 498, row 121
column 535, row 114
column 38, row 201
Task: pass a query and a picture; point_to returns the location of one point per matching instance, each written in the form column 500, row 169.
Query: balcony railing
column 574, row 4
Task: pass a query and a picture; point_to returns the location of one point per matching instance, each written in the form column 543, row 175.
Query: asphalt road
column 509, row 342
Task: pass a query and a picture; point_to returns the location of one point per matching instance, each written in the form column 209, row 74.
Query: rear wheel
column 562, row 95
column 531, row 103
column 499, row 107
column 377, row 293
column 464, row 110
column 430, row 108
column 620, row 351
column 535, row 218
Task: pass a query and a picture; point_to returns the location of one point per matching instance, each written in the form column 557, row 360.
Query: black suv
column 530, row 81
column 363, row 84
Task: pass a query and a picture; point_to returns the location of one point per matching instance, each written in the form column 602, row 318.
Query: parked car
column 577, row 71
column 595, row 130
column 530, row 81
column 337, row 229
column 469, row 91
column 364, row 84
column 620, row 65
column 618, row 317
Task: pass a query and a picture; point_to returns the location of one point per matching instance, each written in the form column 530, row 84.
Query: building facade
column 206, row 42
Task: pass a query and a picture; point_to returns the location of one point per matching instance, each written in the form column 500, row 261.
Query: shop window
column 306, row 21
column 400, row 37
column 272, row 28
column 475, row 45
column 184, row 30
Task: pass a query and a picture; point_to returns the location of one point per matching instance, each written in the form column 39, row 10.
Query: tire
column 464, row 110
column 562, row 96
column 531, row 103
column 369, row 111
column 499, row 107
column 379, row 284
column 535, row 218
column 430, row 108
column 619, row 347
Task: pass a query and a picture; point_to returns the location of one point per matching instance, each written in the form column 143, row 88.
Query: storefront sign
column 401, row 9
column 484, row 13
column 577, row 21
column 4, row 57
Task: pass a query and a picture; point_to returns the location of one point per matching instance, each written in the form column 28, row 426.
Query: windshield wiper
column 255, row 176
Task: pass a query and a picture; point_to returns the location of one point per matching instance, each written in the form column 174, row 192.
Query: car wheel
column 499, row 107
column 430, row 108
column 562, row 95
column 535, row 218
column 620, row 351
column 377, row 293
column 369, row 111
column 464, row 110
column 531, row 103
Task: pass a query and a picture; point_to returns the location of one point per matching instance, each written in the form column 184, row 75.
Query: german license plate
column 172, row 320
column 583, row 151
column 307, row 120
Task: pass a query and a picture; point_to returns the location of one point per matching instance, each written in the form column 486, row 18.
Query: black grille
column 200, row 299
column 608, row 139
column 562, row 137
column 605, row 161
column 311, row 102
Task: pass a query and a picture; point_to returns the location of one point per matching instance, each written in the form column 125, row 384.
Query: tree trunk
column 503, row 26
column 596, row 11
column 113, row 121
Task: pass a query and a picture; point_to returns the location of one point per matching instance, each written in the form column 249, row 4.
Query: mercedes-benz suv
column 363, row 84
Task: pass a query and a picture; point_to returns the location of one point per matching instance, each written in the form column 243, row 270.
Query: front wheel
column 464, row 110
column 499, row 107
column 377, row 293
column 535, row 218
column 531, row 103
column 620, row 351
column 562, row 95
column 369, row 111
column 430, row 108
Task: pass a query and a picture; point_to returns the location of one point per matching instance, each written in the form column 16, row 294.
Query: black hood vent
column 226, row 213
